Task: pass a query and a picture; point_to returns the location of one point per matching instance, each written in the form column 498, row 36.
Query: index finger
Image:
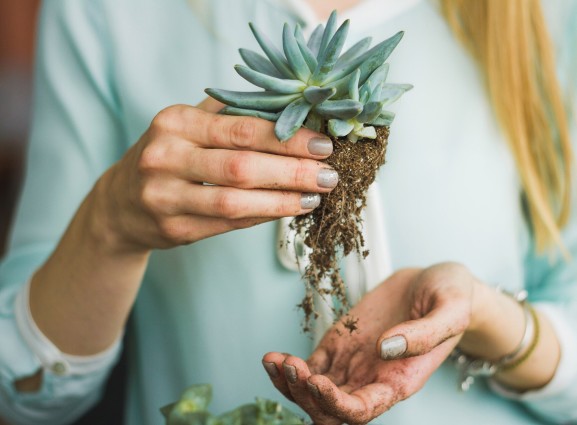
column 209, row 130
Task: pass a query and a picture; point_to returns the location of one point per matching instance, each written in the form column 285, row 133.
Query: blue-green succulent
column 310, row 83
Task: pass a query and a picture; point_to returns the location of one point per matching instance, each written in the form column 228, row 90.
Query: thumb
column 418, row 337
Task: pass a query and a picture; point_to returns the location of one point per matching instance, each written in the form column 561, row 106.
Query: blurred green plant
column 192, row 409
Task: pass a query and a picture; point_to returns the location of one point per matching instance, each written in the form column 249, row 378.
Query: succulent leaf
column 259, row 63
column 181, row 415
column 355, row 51
column 315, row 40
column 384, row 119
column 340, row 128
column 343, row 109
column 391, row 92
column 270, row 83
column 376, row 94
column 329, row 55
column 354, row 85
column 368, row 61
column 378, row 59
column 328, row 33
column 199, row 396
column 366, row 132
column 294, row 55
column 342, row 86
column 307, row 53
column 265, row 101
column 274, row 54
column 377, row 78
column 314, row 122
column 241, row 112
column 370, row 112
column 315, row 95
column 291, row 119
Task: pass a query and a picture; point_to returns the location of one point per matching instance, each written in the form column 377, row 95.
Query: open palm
column 346, row 378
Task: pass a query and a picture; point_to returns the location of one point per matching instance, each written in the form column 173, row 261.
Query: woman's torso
column 209, row 311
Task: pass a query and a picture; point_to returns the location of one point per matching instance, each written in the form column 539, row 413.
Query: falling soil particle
column 334, row 229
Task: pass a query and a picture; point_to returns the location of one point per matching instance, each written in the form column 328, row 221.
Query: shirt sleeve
column 75, row 136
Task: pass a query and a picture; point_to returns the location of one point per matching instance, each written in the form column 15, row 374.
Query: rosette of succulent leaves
column 312, row 84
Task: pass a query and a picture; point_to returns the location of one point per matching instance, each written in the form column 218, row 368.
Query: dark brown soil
column 334, row 229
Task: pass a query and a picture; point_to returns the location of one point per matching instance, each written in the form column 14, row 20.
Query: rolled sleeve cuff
column 50, row 357
column 70, row 384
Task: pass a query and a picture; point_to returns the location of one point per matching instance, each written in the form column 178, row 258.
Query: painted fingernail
column 394, row 347
column 320, row 146
column 270, row 369
column 290, row 373
column 314, row 390
column 310, row 201
column 327, row 178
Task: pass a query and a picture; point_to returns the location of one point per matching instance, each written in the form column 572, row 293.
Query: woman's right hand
column 195, row 174
column 155, row 197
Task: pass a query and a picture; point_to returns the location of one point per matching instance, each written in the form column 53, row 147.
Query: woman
column 110, row 179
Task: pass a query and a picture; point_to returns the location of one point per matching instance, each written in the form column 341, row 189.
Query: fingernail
column 270, row 369
column 327, row 178
column 314, row 390
column 320, row 146
column 290, row 373
column 310, row 201
column 394, row 347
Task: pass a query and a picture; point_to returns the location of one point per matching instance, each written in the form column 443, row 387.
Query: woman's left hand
column 416, row 316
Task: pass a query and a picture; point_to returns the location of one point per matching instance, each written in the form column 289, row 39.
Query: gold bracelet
column 470, row 367
column 536, row 334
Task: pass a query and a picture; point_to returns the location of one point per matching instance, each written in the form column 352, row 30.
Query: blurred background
column 17, row 36
column 17, row 24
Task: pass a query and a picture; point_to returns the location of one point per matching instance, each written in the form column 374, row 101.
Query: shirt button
column 58, row 368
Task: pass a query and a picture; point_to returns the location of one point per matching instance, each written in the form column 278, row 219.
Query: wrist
column 102, row 216
column 497, row 324
column 481, row 306
column 531, row 364
column 81, row 296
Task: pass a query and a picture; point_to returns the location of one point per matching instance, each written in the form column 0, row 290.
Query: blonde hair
column 510, row 41
column 200, row 9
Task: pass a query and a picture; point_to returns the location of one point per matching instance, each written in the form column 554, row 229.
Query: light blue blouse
column 209, row 311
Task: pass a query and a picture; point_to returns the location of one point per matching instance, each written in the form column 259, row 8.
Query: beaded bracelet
column 470, row 368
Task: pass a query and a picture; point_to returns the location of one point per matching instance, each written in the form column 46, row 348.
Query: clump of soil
column 334, row 229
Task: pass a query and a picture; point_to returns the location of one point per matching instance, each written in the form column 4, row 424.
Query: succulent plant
column 344, row 96
column 312, row 84
column 374, row 95
column 192, row 409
